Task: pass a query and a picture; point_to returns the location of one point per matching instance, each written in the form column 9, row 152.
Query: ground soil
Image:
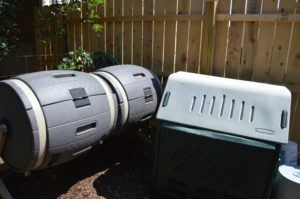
column 119, row 169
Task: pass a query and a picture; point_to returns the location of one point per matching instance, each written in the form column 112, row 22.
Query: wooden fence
column 255, row 40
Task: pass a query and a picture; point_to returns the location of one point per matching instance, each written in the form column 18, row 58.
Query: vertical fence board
column 57, row 47
column 96, row 39
column 118, row 29
column 169, row 37
column 71, row 31
column 235, row 41
column 39, row 50
column 222, row 28
column 47, row 51
column 281, row 43
column 101, row 36
column 293, row 66
column 194, row 41
column 110, row 27
column 158, row 37
column 182, row 37
column 127, row 48
column 85, row 30
column 249, row 41
column 264, row 44
column 208, row 36
column 78, row 30
column 37, row 32
column 93, row 36
column 137, row 45
column 293, row 112
column 295, row 128
column 148, row 34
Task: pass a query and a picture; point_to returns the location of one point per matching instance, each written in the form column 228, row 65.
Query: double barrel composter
column 53, row 116
column 217, row 137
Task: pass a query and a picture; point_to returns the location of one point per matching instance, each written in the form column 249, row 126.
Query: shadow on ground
column 121, row 168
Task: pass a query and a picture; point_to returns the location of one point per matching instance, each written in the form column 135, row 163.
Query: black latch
column 80, row 98
column 148, row 94
column 166, row 99
column 284, row 118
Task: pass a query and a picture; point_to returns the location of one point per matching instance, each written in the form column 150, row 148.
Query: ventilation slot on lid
column 193, row 104
column 222, row 105
column 202, row 104
column 242, row 110
column 139, row 75
column 232, row 109
column 212, row 105
column 64, row 75
column 252, row 114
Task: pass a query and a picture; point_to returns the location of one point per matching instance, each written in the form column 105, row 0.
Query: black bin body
column 199, row 163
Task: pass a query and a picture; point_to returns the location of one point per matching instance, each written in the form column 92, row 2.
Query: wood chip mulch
column 119, row 169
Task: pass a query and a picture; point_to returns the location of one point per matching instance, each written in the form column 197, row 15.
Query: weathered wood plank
column 281, row 43
column 208, row 35
column 220, row 48
column 118, row 30
column 295, row 127
column 249, row 42
column 235, row 38
column 78, row 39
column 137, row 45
column 127, row 34
column 85, row 30
column 71, row 31
column 158, row 37
column 148, row 35
column 109, row 29
column 182, row 37
column 293, row 67
column 263, row 53
column 97, row 40
column 194, row 42
column 293, row 115
column 169, row 37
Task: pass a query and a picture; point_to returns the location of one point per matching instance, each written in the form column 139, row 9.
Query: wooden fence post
column 208, row 36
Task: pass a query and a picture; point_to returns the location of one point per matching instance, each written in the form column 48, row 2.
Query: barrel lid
column 18, row 149
column 136, row 80
column 291, row 173
column 54, row 86
column 129, row 74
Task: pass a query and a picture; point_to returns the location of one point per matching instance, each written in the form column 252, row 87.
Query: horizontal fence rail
column 254, row 40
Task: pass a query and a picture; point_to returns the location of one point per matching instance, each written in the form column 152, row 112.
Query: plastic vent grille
column 238, row 107
column 217, row 106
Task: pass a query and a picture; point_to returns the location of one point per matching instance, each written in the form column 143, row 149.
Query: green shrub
column 78, row 60
column 9, row 30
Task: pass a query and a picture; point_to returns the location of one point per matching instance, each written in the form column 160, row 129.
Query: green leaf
column 97, row 27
